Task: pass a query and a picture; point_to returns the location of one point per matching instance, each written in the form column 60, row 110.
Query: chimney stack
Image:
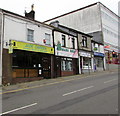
column 31, row 14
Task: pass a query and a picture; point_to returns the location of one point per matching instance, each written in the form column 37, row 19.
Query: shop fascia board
column 31, row 43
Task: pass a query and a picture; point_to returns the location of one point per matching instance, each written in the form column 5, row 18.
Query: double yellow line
column 16, row 90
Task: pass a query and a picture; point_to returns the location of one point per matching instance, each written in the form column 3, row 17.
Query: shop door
column 46, row 66
column 75, row 67
column 58, row 67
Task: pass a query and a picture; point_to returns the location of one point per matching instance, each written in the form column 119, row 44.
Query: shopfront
column 85, row 61
column 98, row 61
column 111, row 57
column 30, row 61
column 66, row 61
column 31, row 64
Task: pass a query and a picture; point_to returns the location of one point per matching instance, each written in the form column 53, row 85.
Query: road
column 94, row 94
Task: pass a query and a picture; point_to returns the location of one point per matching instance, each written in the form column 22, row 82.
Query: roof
column 79, row 10
column 62, row 31
column 76, row 31
column 23, row 17
column 97, row 42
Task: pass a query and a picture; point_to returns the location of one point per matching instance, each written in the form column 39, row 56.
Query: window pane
column 63, row 40
column 30, row 35
column 66, row 65
column 47, row 38
column 84, row 41
column 69, row 65
column 73, row 43
column 63, row 65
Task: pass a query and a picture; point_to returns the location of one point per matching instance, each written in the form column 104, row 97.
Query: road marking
column 26, row 88
column 110, row 80
column 16, row 90
column 18, row 109
column 77, row 90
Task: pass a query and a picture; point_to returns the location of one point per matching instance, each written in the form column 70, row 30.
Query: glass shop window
column 66, row 65
column 86, row 62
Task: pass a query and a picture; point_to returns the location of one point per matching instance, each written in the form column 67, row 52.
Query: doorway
column 58, row 66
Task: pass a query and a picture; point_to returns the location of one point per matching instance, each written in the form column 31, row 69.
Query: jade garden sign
column 62, row 51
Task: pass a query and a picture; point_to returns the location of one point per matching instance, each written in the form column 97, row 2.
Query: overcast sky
column 47, row 9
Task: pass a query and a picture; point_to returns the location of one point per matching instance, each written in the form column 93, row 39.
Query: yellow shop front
column 30, row 61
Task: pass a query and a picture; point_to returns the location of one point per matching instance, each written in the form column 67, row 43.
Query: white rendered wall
column 16, row 29
column 58, row 37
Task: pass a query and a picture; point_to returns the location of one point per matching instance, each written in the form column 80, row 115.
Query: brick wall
column 7, row 67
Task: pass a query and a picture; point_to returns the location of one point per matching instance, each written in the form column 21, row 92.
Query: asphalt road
column 95, row 94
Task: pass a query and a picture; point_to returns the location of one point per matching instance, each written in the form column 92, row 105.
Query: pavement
column 52, row 81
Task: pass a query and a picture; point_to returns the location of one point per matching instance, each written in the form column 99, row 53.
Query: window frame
column 48, row 40
column 66, row 64
column 30, row 35
column 84, row 41
column 63, row 39
column 73, row 42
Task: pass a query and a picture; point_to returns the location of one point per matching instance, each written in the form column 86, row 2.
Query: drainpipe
column 54, row 58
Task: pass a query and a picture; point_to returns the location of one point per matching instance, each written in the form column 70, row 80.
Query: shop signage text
column 85, row 54
column 61, row 51
column 31, row 47
column 98, row 54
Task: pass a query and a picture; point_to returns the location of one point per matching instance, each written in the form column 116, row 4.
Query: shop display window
column 24, row 59
column 66, row 64
column 99, row 62
column 86, row 62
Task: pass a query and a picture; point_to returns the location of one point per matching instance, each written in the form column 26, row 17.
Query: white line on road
column 77, row 90
column 19, row 108
column 110, row 81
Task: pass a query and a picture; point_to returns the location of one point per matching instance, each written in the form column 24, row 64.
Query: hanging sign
column 10, row 49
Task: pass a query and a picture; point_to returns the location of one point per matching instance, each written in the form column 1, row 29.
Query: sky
column 47, row 9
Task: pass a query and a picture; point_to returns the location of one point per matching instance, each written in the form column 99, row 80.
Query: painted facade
column 27, row 49
column 66, row 53
column 96, row 20
column 99, row 56
column 85, row 53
